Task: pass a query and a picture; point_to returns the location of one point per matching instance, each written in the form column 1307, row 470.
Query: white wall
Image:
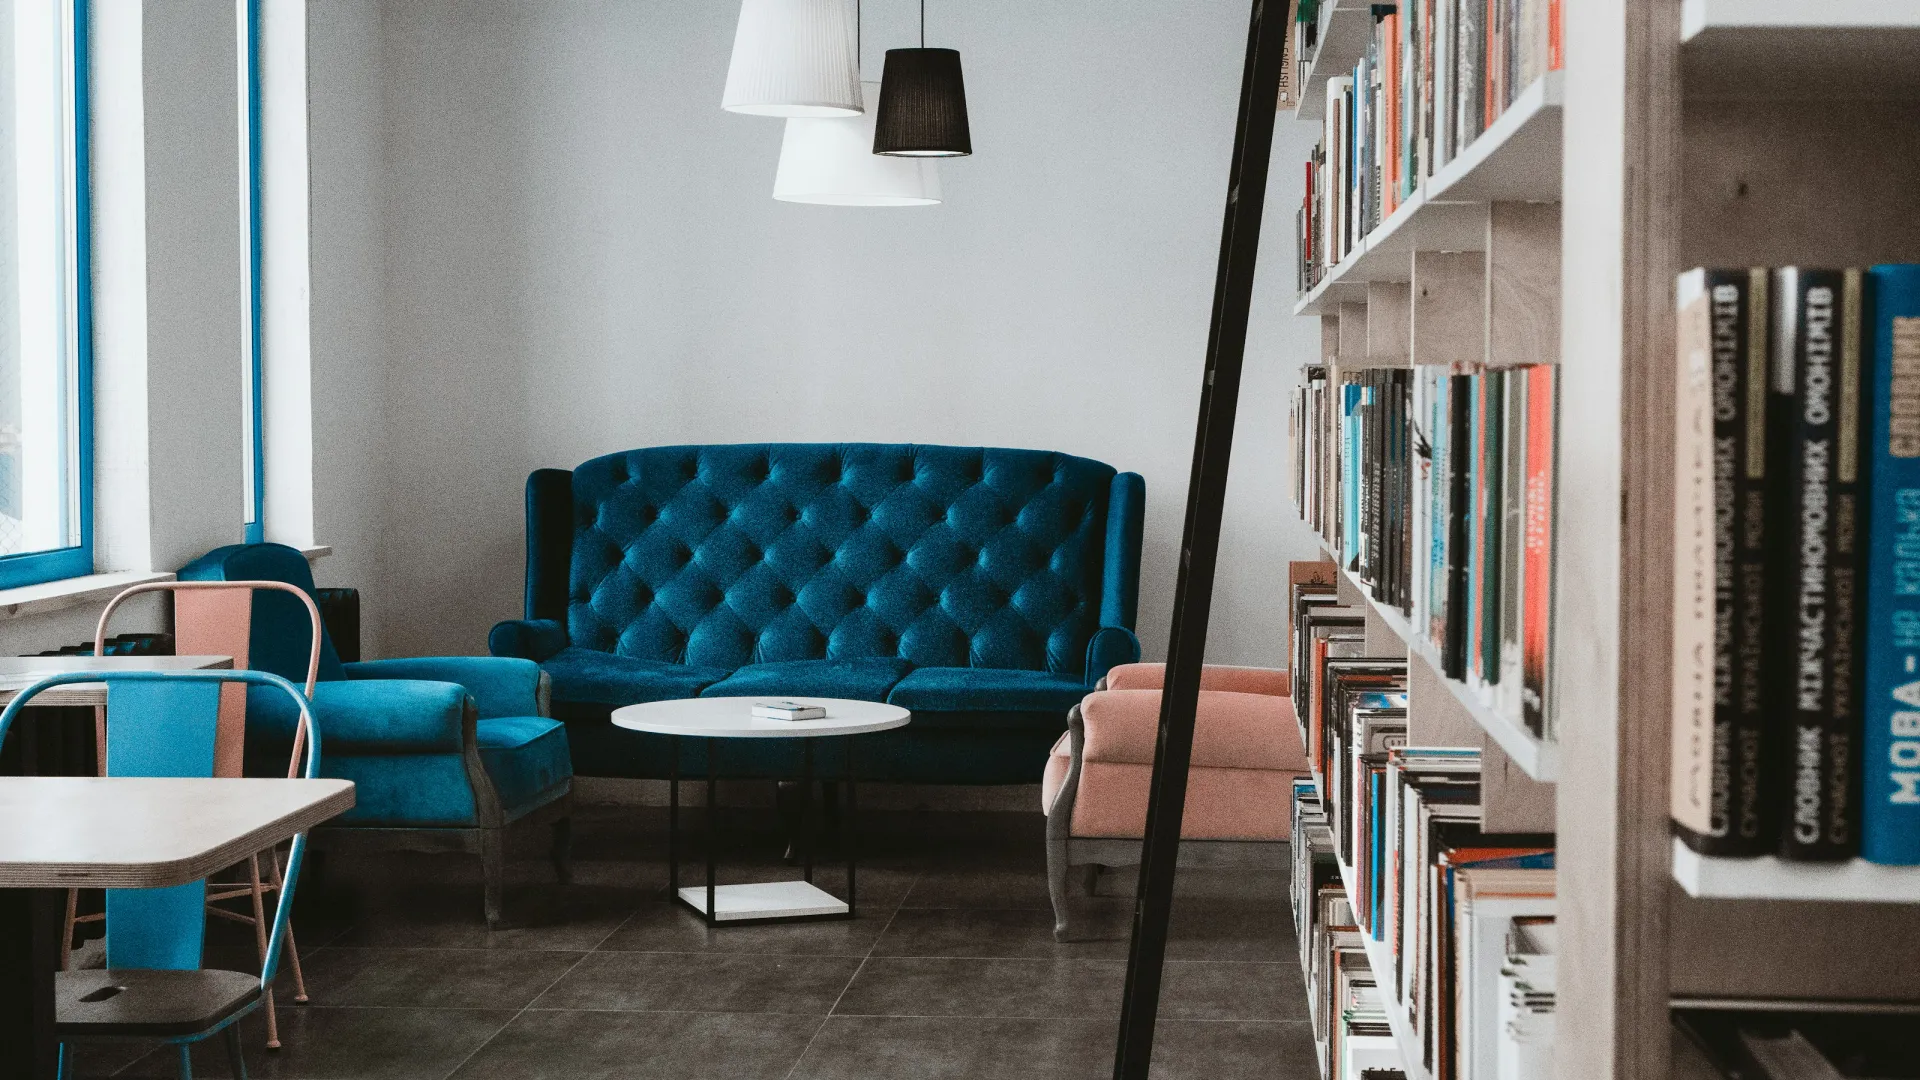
column 538, row 239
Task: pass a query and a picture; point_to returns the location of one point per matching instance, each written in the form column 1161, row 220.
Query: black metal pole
column 713, row 831
column 1200, row 544
column 673, row 824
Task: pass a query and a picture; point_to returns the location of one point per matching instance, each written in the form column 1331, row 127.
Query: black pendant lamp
column 923, row 103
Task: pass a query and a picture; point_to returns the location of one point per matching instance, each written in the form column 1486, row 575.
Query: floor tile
column 322, row 1043
column 950, row 986
column 433, row 978
column 566, row 918
column 1198, row 1050
column 980, row 887
column 702, row 982
column 1012, row 934
column 671, row 927
column 1210, row 990
column 1236, row 929
column 642, row 1046
column 958, row 1048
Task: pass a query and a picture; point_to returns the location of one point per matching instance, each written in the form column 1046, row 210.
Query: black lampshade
column 923, row 106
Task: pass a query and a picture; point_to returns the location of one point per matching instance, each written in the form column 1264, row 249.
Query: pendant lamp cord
column 923, row 23
column 858, row 58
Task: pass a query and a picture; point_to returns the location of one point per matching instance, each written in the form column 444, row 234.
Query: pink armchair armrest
column 1238, row 680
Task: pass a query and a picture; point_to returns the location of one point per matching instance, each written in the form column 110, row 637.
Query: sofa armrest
column 500, row 686
column 1274, row 682
column 528, row 639
column 1120, row 579
column 387, row 716
column 1110, row 647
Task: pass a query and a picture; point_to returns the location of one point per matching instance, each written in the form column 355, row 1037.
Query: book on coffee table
column 788, row 710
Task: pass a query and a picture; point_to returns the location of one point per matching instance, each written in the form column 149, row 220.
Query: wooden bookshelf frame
column 1703, row 132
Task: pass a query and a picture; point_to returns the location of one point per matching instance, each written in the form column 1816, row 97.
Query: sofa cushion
column 526, row 757
column 970, row 689
column 866, row 679
column 589, row 675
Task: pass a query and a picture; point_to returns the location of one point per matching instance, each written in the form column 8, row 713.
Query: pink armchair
column 1246, row 753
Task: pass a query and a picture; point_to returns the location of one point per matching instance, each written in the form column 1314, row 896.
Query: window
column 46, row 468
column 252, row 441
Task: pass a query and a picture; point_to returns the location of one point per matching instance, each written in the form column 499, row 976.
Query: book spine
column 1477, row 535
column 1453, row 651
column 1492, row 522
column 1890, row 746
column 1717, row 736
column 1805, row 394
column 1536, row 616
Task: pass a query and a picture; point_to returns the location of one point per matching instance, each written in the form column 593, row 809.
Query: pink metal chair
column 215, row 618
column 1246, row 754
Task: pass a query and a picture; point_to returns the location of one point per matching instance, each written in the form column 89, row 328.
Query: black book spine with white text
column 1813, row 407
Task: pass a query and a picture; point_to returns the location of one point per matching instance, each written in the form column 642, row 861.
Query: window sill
column 69, row 592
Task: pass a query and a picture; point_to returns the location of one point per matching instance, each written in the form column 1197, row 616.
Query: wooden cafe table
column 60, row 832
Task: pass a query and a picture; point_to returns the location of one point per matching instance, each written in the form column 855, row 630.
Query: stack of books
column 1345, row 1005
column 1797, row 563
column 1391, row 854
column 1435, row 75
column 1436, row 487
column 1526, row 1002
column 788, row 710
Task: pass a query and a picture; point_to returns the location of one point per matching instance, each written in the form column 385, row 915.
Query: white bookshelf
column 1770, row 878
column 1344, row 29
column 1537, row 757
column 1517, row 159
column 1795, row 50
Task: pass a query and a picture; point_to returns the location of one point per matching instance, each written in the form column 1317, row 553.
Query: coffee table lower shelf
column 765, row 900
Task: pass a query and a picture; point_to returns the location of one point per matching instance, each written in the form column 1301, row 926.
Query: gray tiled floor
column 951, row 970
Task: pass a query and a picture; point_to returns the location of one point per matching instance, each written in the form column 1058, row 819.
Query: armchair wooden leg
column 1090, row 879
column 1057, row 887
column 562, row 853
column 493, row 870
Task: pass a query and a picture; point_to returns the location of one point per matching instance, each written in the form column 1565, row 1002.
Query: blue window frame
column 253, row 441
column 46, row 317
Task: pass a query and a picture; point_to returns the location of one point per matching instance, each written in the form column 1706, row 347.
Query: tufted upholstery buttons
column 945, row 556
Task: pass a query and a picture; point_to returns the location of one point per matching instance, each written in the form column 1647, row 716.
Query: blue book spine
column 1890, row 825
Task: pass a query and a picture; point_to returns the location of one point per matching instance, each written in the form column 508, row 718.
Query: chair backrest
column 279, row 638
column 727, row 555
column 165, row 723
column 215, row 618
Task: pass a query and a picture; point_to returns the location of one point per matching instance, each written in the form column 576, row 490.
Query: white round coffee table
column 717, row 718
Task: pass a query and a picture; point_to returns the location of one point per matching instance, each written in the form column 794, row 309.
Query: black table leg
column 30, row 921
column 713, row 838
column 846, row 823
column 673, row 822
column 806, row 810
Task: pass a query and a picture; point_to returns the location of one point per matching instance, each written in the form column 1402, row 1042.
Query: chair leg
column 293, row 950
column 236, row 1060
column 1057, row 888
column 260, row 943
column 186, row 1060
column 66, row 928
column 562, row 853
column 63, row 1064
column 493, row 870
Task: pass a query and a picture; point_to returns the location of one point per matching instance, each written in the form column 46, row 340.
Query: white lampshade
column 830, row 160
column 794, row 58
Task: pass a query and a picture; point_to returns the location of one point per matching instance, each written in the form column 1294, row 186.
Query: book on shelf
column 1435, row 488
column 1795, row 1040
column 1525, row 1002
column 1433, row 76
column 1890, row 746
column 1796, row 693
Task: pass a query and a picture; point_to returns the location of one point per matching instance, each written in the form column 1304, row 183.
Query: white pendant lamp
column 830, row 160
column 794, row 58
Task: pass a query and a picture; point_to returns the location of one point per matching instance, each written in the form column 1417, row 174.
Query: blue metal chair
column 164, row 724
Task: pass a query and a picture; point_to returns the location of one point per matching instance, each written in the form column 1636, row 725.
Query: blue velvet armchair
column 985, row 589
column 446, row 752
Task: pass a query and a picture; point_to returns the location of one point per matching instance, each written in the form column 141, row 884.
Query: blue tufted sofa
column 985, row 589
